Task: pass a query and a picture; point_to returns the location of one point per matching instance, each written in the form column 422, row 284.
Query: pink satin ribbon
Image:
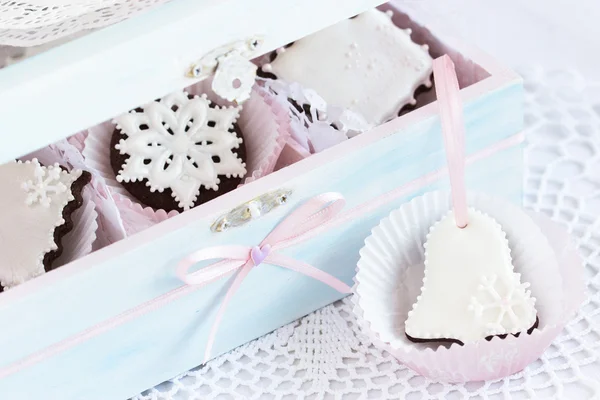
column 453, row 129
column 298, row 226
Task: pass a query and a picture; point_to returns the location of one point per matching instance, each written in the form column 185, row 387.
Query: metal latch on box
column 252, row 209
column 233, row 73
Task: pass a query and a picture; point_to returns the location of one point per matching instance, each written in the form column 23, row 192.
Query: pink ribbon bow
column 300, row 225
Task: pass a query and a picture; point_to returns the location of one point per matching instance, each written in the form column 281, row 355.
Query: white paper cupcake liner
column 265, row 126
column 389, row 279
column 79, row 241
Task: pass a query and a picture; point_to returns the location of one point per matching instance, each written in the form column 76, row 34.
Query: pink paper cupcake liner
column 68, row 152
column 306, row 136
column 390, row 273
column 265, row 126
column 136, row 217
column 266, row 151
column 292, row 153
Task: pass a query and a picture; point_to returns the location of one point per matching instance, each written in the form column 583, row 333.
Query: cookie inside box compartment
column 365, row 64
column 356, row 74
column 194, row 154
column 46, row 219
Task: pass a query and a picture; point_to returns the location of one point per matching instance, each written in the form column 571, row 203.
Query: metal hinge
column 234, row 74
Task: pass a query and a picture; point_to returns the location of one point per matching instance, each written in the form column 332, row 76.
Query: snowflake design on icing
column 46, row 183
column 180, row 143
column 510, row 302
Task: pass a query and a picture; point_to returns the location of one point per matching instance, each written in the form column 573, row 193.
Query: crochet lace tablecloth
column 326, row 355
column 38, row 22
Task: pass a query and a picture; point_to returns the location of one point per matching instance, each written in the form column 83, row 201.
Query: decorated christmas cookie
column 178, row 152
column 470, row 289
column 462, row 269
column 365, row 64
column 37, row 204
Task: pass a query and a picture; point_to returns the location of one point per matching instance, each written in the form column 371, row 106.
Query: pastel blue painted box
column 121, row 320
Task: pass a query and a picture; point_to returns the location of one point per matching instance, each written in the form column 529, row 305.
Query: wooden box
column 119, row 320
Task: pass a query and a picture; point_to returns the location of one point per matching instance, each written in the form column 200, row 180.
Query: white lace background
column 327, row 356
column 38, row 22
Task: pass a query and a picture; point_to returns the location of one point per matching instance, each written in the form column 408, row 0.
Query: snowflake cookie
column 470, row 290
column 178, row 152
column 36, row 213
column 365, row 64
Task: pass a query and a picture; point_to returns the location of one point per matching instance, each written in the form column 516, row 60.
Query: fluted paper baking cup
column 136, row 217
column 68, row 153
column 264, row 124
column 390, row 274
column 79, row 241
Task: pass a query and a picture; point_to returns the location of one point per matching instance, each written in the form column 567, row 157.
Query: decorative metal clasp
column 250, row 210
column 233, row 73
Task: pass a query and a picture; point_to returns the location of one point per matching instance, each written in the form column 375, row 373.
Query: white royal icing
column 234, row 78
column 365, row 64
column 32, row 203
column 470, row 290
column 46, row 181
column 180, row 150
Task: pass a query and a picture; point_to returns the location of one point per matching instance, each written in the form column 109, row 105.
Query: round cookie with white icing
column 178, row 152
column 365, row 64
column 36, row 206
column 470, row 289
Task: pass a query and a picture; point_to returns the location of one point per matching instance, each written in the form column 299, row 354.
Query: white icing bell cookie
column 36, row 207
column 178, row 152
column 365, row 64
column 470, row 289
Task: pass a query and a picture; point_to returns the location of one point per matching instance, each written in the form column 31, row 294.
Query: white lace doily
column 35, row 22
column 325, row 355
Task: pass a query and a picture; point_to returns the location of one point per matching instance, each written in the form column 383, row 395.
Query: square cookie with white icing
column 365, row 64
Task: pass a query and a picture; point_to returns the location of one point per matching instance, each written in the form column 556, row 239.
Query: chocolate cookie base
column 421, row 90
column 68, row 210
column 452, row 341
column 67, row 226
column 164, row 200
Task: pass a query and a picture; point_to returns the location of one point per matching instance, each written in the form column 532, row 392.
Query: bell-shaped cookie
column 470, row 289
